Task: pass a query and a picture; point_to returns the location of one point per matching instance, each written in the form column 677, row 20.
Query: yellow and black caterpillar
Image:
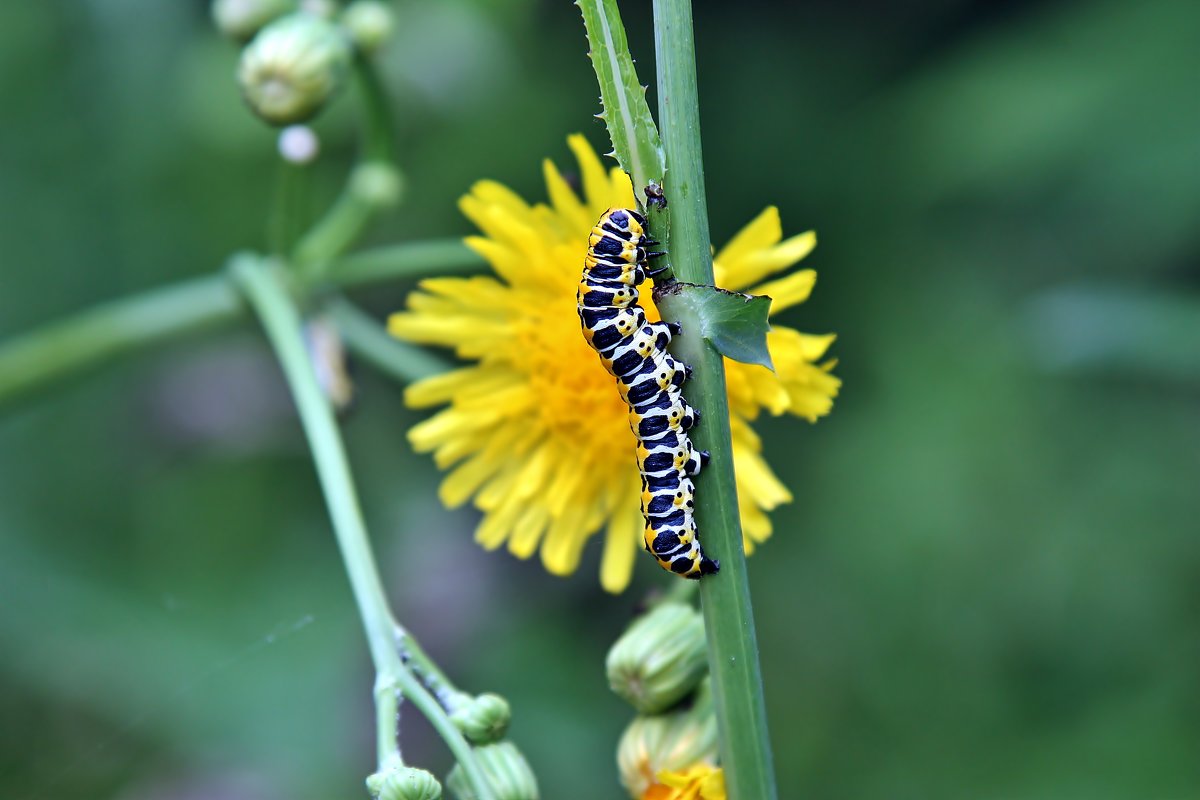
column 634, row 351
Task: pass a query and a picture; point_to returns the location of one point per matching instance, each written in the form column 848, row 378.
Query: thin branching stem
column 349, row 215
column 264, row 285
column 106, row 331
column 100, row 334
column 370, row 341
column 408, row 260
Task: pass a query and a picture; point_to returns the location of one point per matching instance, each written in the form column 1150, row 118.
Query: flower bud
column 398, row 782
column 377, row 183
column 483, row 719
column 505, row 769
column 369, row 22
column 674, row 741
column 293, row 66
column 241, row 19
column 659, row 659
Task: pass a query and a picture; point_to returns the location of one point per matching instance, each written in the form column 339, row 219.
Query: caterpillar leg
column 662, row 412
column 663, row 332
column 669, row 452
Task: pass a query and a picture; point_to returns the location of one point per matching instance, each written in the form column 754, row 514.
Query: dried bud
column 659, row 659
column 369, row 23
column 241, row 19
column 672, row 741
column 328, row 356
column 398, row 782
column 505, row 769
column 483, row 719
column 293, row 66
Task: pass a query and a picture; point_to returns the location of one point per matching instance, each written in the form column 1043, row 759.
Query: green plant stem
column 352, row 211
column 286, row 220
column 368, row 340
column 387, row 719
column 108, row 330
column 728, row 618
column 62, row 347
column 333, row 233
column 427, row 670
column 379, row 142
column 263, row 285
column 416, row 259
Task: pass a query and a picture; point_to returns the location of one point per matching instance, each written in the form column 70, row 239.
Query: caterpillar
column 634, row 351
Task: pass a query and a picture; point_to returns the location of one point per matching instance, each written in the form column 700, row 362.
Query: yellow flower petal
column 497, row 525
column 622, row 541
column 596, row 185
column 572, row 213
column 623, row 192
column 528, row 531
column 757, row 252
column 700, row 782
column 813, row 347
column 763, row 232
column 789, row 291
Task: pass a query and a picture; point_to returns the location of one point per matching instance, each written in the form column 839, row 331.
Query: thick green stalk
column 728, row 618
column 263, row 284
column 113, row 328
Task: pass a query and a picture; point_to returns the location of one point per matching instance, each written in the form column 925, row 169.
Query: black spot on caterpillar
column 634, row 351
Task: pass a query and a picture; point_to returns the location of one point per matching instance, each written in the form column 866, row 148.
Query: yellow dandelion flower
column 699, row 782
column 536, row 435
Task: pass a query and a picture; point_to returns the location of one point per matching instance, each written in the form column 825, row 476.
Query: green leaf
column 635, row 140
column 735, row 324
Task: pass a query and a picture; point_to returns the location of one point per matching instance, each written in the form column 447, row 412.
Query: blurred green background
column 989, row 583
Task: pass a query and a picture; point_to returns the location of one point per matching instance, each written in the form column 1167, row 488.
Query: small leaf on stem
column 735, row 324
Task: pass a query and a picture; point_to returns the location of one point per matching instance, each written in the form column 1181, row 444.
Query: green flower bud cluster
column 660, row 666
column 505, row 769
column 292, row 67
column 297, row 53
column 673, row 741
column 483, row 719
column 398, row 782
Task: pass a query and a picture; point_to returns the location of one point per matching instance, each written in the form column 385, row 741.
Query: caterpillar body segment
column 650, row 381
